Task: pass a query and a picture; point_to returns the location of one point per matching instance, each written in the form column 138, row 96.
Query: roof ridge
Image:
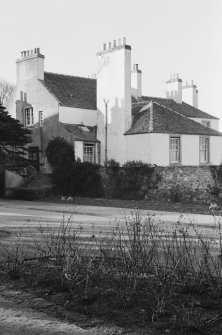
column 183, row 102
column 68, row 75
column 199, row 110
column 187, row 118
column 151, row 116
column 170, row 109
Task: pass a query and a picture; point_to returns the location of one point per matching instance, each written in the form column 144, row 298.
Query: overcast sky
column 167, row 36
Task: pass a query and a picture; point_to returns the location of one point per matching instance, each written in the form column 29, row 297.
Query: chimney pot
column 27, row 52
column 114, row 43
column 104, row 46
column 38, row 50
column 110, row 45
column 24, row 53
column 124, row 40
column 119, row 41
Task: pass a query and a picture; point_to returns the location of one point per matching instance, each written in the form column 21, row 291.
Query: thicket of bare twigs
column 140, row 265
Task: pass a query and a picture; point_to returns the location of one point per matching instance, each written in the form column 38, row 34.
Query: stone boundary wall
column 186, row 183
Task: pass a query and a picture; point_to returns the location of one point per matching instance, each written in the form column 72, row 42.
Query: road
column 28, row 217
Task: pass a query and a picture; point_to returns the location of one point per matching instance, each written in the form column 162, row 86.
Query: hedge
column 29, row 193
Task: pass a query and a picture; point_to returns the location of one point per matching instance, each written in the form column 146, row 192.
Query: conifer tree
column 13, row 138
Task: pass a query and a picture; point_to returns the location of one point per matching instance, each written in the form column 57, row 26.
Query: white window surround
column 89, row 152
column 204, row 150
column 29, row 117
column 175, row 150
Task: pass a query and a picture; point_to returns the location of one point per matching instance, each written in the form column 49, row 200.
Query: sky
column 166, row 36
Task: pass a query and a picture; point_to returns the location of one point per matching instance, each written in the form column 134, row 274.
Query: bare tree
column 6, row 89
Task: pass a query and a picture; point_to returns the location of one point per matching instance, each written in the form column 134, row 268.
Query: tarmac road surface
column 26, row 216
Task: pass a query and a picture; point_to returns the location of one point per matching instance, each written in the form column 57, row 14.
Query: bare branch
column 6, row 89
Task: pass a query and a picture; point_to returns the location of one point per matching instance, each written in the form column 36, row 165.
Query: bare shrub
column 14, row 258
column 144, row 262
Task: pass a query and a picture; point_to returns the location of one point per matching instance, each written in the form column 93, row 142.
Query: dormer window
column 29, row 117
column 206, row 123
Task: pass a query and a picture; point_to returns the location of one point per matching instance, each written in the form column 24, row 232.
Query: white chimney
column 190, row 94
column 136, row 81
column 174, row 88
column 30, row 64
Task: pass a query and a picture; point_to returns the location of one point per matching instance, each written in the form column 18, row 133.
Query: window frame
column 90, row 145
column 207, row 150
column 30, row 117
column 40, row 118
column 178, row 162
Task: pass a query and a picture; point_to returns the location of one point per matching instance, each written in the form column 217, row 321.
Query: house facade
column 109, row 118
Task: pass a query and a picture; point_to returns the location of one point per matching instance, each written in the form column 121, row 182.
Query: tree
column 60, row 155
column 59, row 152
column 6, row 89
column 13, row 138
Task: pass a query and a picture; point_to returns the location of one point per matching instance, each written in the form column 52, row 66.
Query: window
column 204, row 149
column 33, row 156
column 89, row 153
column 174, row 149
column 40, row 118
column 29, row 117
column 206, row 123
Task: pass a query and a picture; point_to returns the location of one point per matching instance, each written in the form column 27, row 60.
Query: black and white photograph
column 111, row 167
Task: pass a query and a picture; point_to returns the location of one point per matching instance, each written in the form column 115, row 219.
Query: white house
column 163, row 131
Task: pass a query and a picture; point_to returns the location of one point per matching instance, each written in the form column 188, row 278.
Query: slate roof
column 156, row 118
column 184, row 108
column 71, row 91
column 81, row 132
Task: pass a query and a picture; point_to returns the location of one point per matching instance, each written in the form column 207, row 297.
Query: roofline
column 178, row 113
column 47, row 88
column 91, row 109
column 169, row 133
column 64, row 75
column 212, row 117
column 76, row 138
column 183, row 102
column 68, row 75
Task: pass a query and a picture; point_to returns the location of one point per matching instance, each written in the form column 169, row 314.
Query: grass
column 141, row 204
column 140, row 276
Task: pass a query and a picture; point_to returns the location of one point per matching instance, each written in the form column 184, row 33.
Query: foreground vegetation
column 141, row 275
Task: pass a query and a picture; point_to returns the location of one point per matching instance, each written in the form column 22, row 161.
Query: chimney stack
column 174, row 88
column 31, row 64
column 136, row 81
column 190, row 94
